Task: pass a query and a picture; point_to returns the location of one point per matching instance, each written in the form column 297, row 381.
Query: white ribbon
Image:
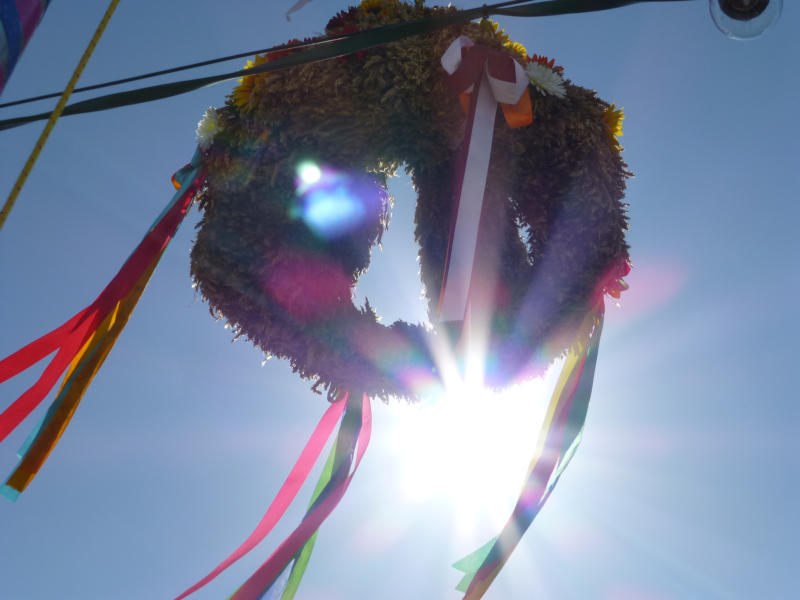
column 455, row 295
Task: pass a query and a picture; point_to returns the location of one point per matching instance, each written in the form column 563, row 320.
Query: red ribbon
column 499, row 66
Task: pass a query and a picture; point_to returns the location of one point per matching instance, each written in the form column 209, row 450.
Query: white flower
column 207, row 128
column 545, row 79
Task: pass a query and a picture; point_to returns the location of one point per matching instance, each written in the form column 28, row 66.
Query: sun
column 471, row 447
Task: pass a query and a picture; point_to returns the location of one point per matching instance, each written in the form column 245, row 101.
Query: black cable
column 106, row 84
column 332, row 47
column 549, row 8
column 204, row 63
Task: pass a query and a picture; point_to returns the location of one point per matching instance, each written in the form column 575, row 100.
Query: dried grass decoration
column 295, row 199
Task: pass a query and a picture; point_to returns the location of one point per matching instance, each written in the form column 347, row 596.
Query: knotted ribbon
column 490, row 77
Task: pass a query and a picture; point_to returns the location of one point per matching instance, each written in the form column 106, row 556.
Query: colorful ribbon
column 559, row 437
column 490, row 77
column 352, row 437
column 301, row 561
column 351, row 443
column 287, row 492
column 83, row 342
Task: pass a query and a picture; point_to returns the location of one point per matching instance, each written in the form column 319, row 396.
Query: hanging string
column 37, row 149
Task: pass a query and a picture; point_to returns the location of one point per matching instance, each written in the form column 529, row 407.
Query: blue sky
column 686, row 483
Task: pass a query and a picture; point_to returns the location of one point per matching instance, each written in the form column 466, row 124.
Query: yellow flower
column 613, row 118
column 506, row 41
column 516, row 47
column 241, row 93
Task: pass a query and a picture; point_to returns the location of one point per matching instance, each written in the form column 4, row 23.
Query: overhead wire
column 197, row 65
column 316, row 50
column 53, row 116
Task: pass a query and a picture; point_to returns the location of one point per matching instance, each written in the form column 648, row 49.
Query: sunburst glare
column 470, row 448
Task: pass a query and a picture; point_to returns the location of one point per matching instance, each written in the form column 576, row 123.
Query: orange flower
column 543, row 60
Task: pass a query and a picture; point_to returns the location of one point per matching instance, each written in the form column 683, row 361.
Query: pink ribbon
column 297, row 476
column 253, row 588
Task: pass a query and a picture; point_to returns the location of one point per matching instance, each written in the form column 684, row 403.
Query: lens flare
column 333, row 203
column 332, row 211
column 471, row 450
column 470, row 447
column 309, row 173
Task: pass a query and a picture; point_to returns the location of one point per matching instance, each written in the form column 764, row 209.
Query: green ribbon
column 470, row 564
column 301, row 562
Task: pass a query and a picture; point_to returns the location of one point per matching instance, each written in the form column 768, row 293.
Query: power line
column 313, row 51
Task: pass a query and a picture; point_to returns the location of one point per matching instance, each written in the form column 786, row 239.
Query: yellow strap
column 12, row 197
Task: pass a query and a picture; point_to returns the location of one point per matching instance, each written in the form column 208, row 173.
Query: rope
column 12, row 197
